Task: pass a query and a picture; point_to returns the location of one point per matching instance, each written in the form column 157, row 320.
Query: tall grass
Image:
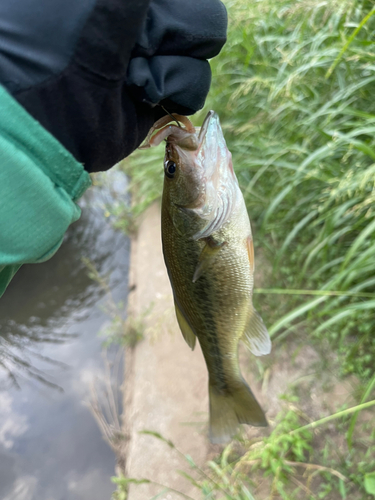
column 304, row 151
column 294, row 88
column 295, row 91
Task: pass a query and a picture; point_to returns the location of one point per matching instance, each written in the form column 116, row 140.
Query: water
column 50, row 354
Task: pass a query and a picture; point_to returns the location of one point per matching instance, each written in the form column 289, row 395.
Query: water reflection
column 50, row 316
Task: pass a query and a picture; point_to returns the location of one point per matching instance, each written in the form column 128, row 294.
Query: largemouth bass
column 209, row 255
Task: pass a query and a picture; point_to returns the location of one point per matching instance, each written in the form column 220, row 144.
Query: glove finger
column 195, row 28
column 184, row 81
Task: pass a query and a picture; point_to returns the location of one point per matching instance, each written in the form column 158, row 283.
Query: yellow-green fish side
column 208, row 252
column 217, row 308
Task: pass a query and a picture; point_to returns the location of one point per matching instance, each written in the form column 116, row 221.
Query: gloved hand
column 169, row 62
column 91, row 72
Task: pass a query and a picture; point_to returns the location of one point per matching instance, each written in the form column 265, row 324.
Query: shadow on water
column 50, row 354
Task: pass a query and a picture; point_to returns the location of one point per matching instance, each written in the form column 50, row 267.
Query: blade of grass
column 344, row 413
column 353, row 420
column 288, row 318
column 347, row 44
column 329, row 293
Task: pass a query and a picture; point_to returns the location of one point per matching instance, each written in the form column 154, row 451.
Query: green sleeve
column 39, row 184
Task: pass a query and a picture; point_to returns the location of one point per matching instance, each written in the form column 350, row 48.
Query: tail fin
column 230, row 409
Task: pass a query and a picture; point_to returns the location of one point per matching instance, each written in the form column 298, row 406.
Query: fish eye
column 170, row 169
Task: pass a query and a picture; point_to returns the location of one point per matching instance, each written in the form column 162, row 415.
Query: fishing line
column 168, row 113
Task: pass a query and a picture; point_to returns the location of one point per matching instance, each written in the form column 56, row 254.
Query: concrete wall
column 165, row 382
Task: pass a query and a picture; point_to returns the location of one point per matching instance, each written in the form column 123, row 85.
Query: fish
column 209, row 255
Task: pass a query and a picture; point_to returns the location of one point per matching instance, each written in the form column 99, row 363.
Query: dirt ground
column 166, row 383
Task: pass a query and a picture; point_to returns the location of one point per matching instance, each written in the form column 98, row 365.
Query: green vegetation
column 273, row 464
column 294, row 88
column 304, row 149
column 146, row 173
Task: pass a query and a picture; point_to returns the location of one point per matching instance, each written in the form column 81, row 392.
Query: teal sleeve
column 40, row 182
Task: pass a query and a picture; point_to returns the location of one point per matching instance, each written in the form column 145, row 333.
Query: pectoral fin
column 208, row 255
column 186, row 331
column 256, row 336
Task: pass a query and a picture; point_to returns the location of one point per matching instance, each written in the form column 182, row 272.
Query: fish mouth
column 212, row 153
column 211, row 115
column 211, row 138
column 184, row 140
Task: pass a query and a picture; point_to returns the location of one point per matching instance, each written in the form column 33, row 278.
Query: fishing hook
column 168, row 113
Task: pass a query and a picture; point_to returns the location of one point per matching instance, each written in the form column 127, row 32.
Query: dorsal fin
column 250, row 251
column 256, row 336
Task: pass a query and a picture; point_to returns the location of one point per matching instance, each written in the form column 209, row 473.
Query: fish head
column 197, row 163
column 183, row 176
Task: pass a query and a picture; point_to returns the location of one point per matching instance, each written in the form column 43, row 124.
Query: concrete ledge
column 165, row 382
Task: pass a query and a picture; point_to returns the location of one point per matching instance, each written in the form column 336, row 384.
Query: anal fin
column 256, row 336
column 186, row 331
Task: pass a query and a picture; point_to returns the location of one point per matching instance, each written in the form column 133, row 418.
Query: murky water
column 50, row 354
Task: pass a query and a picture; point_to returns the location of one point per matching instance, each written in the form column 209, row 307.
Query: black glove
column 169, row 62
column 76, row 67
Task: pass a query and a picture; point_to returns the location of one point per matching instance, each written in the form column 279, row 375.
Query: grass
column 146, row 173
column 303, row 147
column 280, row 465
column 294, row 88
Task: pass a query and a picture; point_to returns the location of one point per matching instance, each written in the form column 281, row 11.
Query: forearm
column 84, row 83
column 39, row 183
